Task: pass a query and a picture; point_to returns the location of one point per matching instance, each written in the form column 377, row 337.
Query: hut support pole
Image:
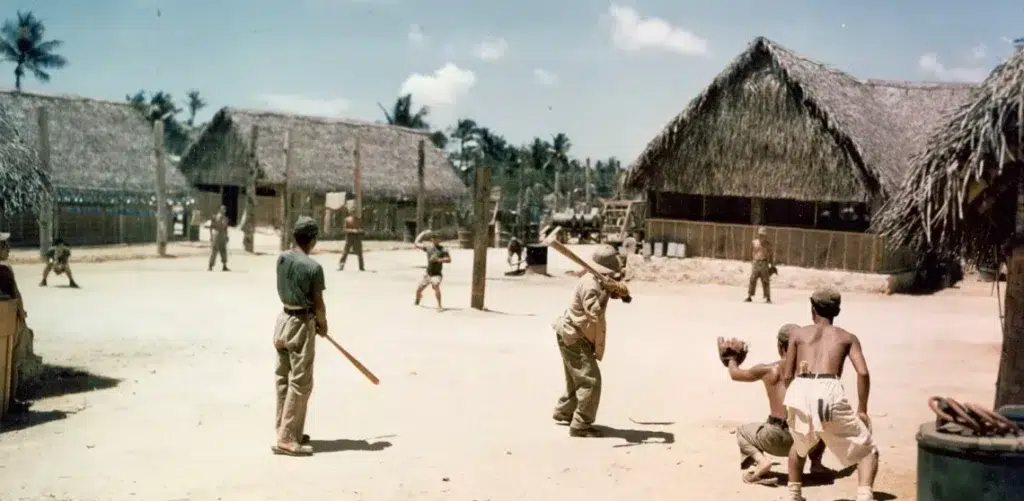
column 421, row 201
column 249, row 226
column 358, row 182
column 518, row 232
column 161, row 189
column 558, row 189
column 1010, row 382
column 481, row 220
column 586, row 183
column 48, row 206
column 286, row 194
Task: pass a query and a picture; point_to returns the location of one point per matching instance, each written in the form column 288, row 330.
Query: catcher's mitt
column 732, row 349
column 773, row 270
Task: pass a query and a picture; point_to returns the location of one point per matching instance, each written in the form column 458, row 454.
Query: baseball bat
column 362, row 368
column 552, row 241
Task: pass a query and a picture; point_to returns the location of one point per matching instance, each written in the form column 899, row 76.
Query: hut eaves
column 877, row 125
column 323, row 157
column 22, row 184
column 96, row 146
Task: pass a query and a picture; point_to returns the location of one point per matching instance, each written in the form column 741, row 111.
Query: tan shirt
column 585, row 316
column 761, row 250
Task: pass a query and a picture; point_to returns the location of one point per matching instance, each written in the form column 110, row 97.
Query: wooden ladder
column 616, row 218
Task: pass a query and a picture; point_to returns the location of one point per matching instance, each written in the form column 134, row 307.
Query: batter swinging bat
column 552, row 241
column 362, row 368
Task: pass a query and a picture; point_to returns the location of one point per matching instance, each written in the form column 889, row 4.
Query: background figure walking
column 219, row 239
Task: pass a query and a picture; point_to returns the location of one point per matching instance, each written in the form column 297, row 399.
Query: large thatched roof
column 959, row 193
column 22, row 185
column 775, row 124
column 99, row 150
column 323, row 156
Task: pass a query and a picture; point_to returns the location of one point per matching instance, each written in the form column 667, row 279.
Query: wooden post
column 1010, row 381
column 286, row 194
column 249, row 228
column 421, row 193
column 49, row 204
column 586, row 184
column 518, row 231
column 161, row 189
column 481, row 220
column 358, row 181
column 558, row 190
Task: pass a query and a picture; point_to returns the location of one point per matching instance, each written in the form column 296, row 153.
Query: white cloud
column 441, row 88
column 544, row 77
column 630, row 32
column 416, row 36
column 491, row 49
column 305, row 105
column 931, row 65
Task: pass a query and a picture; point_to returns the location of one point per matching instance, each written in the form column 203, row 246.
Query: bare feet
column 292, row 450
column 756, row 474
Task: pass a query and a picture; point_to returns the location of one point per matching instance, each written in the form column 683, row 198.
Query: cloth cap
column 784, row 332
column 826, row 297
column 606, row 259
column 762, row 231
column 306, row 225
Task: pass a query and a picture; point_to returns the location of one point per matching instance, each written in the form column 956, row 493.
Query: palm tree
column 465, row 133
column 22, row 43
column 195, row 103
column 402, row 114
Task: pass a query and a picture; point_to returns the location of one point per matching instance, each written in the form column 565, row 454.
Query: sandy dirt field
column 463, row 409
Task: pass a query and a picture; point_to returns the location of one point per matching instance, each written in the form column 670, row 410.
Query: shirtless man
column 57, row 261
column 437, row 257
column 515, row 249
column 816, row 404
column 770, row 438
column 9, row 292
column 353, row 242
column 763, row 260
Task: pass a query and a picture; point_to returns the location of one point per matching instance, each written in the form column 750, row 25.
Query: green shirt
column 298, row 277
column 434, row 255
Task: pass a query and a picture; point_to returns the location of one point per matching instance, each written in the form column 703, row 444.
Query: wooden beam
column 286, row 194
column 1010, row 379
column 249, row 228
column 161, row 188
column 421, row 192
column 482, row 195
column 358, row 180
column 49, row 204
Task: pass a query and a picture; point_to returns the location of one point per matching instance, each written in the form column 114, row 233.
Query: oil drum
column 952, row 467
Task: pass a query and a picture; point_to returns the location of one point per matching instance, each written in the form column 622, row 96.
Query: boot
column 585, row 433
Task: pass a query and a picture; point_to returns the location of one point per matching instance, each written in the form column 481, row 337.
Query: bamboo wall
column 382, row 220
column 81, row 224
column 864, row 252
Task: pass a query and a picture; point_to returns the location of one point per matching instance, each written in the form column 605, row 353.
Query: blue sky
column 609, row 75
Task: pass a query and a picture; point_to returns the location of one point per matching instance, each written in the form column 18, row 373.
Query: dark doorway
column 229, row 199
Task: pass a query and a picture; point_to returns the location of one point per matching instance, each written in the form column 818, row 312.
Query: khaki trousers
column 219, row 246
column 757, row 439
column 760, row 271
column 582, row 394
column 353, row 244
column 294, row 340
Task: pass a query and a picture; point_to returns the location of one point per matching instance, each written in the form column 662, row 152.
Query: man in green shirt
column 300, row 286
column 437, row 256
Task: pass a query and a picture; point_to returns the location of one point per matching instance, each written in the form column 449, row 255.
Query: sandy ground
column 463, row 408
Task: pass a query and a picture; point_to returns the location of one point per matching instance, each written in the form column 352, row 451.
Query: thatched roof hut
column 775, row 124
column 323, row 156
column 22, row 184
column 100, row 151
column 961, row 192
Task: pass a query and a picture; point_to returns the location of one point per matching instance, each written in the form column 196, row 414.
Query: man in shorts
column 437, row 257
column 58, row 260
column 816, row 404
column 771, row 437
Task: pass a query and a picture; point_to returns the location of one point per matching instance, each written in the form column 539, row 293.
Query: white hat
column 606, row 259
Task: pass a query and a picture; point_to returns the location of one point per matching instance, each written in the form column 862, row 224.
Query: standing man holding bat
column 771, row 437
column 300, row 286
column 580, row 334
column 437, row 257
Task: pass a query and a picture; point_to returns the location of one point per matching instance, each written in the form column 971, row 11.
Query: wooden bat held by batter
column 607, row 283
column 362, row 368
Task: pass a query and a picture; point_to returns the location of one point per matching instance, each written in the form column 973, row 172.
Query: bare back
column 824, row 348
column 775, row 387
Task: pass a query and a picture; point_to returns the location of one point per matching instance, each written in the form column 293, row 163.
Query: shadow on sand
column 637, row 437
column 485, row 310
column 344, row 444
column 54, row 381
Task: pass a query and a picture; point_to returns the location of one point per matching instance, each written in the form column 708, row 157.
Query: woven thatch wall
column 22, row 185
column 323, row 158
column 961, row 194
column 98, row 149
column 774, row 124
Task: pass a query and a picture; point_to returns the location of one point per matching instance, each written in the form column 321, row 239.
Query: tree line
column 535, row 169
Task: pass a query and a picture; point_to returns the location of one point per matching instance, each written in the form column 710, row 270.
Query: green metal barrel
column 956, row 468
